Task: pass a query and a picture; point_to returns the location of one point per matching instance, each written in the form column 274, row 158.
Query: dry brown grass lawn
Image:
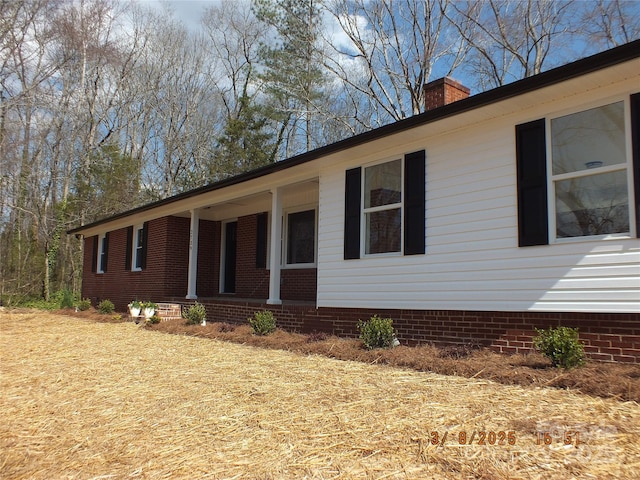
column 82, row 399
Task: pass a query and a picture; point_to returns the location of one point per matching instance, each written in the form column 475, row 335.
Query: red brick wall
column 167, row 271
column 607, row 337
column 208, row 279
column 171, row 247
column 165, row 275
column 251, row 282
column 299, row 284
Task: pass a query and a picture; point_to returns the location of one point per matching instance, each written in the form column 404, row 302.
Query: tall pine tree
column 292, row 73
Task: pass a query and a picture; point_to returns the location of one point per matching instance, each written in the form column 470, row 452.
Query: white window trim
column 285, row 237
column 391, row 206
column 134, row 247
column 627, row 166
column 100, row 252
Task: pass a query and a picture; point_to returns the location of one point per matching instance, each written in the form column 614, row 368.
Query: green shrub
column 84, row 304
column 561, row 346
column 377, row 332
column 106, row 307
column 195, row 314
column 262, row 323
column 153, row 320
column 67, row 299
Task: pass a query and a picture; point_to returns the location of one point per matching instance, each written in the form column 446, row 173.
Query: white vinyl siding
column 472, row 259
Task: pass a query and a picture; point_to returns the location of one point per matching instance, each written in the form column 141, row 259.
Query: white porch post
column 193, row 255
column 276, row 247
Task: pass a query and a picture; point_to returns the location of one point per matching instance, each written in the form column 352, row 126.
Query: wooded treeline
column 106, row 105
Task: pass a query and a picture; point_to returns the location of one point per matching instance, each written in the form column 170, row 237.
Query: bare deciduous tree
column 392, row 50
column 610, row 23
column 511, row 39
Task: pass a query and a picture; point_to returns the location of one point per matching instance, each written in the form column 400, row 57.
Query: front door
column 230, row 248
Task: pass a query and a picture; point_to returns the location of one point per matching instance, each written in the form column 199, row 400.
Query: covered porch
column 256, row 247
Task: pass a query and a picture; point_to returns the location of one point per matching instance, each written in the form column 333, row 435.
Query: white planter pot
column 148, row 312
column 134, row 311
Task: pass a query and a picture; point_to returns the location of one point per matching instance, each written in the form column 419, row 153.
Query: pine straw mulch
column 86, row 399
column 607, row 380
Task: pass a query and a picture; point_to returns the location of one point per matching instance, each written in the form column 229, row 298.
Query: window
column 103, row 249
column 136, row 257
column 579, row 184
column 386, row 203
column 301, row 238
column 589, row 172
column 383, row 207
column 138, row 248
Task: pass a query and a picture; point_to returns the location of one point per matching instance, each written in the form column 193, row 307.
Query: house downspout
column 193, row 255
column 275, row 248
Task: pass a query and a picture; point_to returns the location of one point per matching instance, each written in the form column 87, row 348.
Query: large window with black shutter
column 385, row 208
column 574, row 173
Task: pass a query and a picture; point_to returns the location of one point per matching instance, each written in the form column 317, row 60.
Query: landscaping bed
column 87, row 399
column 621, row 381
column 607, row 380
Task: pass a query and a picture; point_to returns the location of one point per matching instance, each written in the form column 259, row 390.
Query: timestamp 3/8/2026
column 480, row 437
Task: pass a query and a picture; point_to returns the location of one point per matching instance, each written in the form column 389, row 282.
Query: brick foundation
column 607, row 337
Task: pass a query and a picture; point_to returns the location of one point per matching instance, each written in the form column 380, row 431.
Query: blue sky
column 188, row 11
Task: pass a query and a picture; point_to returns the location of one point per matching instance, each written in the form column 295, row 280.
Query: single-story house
column 478, row 221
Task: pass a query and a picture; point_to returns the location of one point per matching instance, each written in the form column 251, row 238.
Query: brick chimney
column 443, row 91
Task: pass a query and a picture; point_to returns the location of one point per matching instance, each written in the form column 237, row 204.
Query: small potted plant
column 134, row 308
column 149, row 308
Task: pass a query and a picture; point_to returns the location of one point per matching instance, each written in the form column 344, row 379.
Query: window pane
column 593, row 205
column 383, row 184
column 383, row 231
column 103, row 256
column 301, row 237
column 139, row 244
column 590, row 139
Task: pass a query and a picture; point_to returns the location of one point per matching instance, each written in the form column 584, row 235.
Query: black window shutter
column 352, row 198
column 635, row 142
column 531, row 161
column 129, row 249
column 414, row 199
column 94, row 254
column 261, row 240
column 145, row 237
column 106, row 252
